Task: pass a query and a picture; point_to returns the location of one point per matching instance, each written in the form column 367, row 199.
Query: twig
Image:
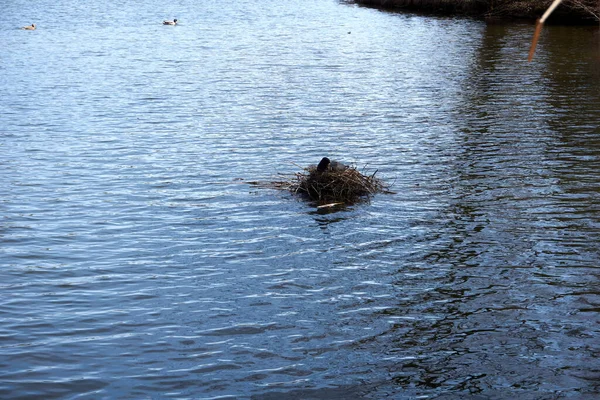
column 538, row 28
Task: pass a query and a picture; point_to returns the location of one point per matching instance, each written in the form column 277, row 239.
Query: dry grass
column 573, row 9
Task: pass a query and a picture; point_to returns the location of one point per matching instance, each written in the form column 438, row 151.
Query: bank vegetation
column 570, row 11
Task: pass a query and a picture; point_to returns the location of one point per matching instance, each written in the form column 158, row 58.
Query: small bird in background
column 174, row 22
column 29, row 27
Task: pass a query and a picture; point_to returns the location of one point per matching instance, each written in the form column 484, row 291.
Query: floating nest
column 333, row 186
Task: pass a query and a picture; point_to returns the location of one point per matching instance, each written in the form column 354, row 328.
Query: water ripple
column 137, row 261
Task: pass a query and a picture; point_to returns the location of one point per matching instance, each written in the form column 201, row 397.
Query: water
column 137, row 261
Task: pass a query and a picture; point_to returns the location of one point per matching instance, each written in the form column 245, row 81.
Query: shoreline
column 574, row 12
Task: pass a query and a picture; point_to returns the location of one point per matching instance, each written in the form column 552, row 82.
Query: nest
column 346, row 185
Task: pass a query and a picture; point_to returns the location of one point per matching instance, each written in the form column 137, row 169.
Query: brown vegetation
column 332, row 186
column 583, row 11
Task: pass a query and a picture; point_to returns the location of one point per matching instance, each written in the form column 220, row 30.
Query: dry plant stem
column 538, row 28
column 586, row 8
column 536, row 36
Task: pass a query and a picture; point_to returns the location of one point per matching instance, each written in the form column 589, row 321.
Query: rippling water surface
column 137, row 261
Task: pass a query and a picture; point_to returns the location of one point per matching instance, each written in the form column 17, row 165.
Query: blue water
column 138, row 260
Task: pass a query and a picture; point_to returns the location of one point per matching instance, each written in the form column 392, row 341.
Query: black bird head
column 322, row 167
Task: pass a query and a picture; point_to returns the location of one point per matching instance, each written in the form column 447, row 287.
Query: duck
column 326, row 164
column 174, row 22
column 29, row 27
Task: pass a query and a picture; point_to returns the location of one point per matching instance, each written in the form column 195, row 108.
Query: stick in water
column 538, row 27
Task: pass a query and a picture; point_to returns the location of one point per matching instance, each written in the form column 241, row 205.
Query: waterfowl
column 337, row 166
column 326, row 164
column 174, row 22
column 323, row 164
column 29, row 27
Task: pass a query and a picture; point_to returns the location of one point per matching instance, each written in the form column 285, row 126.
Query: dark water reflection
column 137, row 262
column 508, row 304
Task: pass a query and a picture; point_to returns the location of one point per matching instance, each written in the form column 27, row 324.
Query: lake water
column 137, row 261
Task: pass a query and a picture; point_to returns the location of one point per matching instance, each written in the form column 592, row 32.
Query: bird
column 29, row 27
column 326, row 164
column 174, row 22
column 337, row 166
column 323, row 164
